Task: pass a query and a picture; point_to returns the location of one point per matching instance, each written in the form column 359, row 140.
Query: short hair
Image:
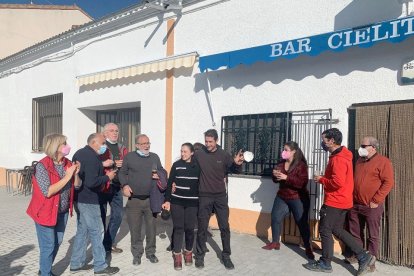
column 335, row 134
column 109, row 124
column 211, row 133
column 189, row 145
column 198, row 146
column 139, row 136
column 373, row 141
column 51, row 143
column 92, row 137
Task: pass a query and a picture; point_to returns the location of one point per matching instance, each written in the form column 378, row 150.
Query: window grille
column 46, row 118
column 262, row 134
column 128, row 121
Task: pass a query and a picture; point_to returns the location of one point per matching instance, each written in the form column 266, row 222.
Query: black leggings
column 184, row 220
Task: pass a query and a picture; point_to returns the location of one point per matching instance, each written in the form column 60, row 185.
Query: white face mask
column 363, row 152
column 111, row 142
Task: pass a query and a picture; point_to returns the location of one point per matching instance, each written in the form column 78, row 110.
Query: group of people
column 103, row 172
column 353, row 199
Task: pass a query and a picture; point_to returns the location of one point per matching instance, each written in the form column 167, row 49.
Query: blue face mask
column 324, row 147
column 102, row 149
column 140, row 153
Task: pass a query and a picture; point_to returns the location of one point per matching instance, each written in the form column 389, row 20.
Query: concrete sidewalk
column 19, row 251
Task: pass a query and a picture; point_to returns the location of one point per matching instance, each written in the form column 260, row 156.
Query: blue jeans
column 115, row 200
column 300, row 211
column 89, row 222
column 50, row 238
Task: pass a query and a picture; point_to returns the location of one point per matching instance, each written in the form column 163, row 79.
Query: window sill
column 250, row 176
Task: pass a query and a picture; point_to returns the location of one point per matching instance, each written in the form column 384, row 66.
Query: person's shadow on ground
column 64, row 263
column 7, row 259
column 297, row 249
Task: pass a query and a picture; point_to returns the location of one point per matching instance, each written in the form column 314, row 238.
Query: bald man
column 89, row 221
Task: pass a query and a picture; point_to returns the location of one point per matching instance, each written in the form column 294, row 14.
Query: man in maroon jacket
column 111, row 193
column 374, row 179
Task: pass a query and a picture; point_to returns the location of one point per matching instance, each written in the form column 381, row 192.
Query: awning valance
column 185, row 60
column 366, row 36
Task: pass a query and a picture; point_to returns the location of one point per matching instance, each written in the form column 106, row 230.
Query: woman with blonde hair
column 53, row 182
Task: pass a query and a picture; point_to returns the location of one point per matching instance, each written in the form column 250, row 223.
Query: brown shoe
column 272, row 245
column 178, row 261
column 188, row 257
column 115, row 249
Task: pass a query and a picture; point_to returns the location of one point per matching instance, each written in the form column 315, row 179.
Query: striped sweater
column 185, row 176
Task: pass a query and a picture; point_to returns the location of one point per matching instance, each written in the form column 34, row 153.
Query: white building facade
column 119, row 63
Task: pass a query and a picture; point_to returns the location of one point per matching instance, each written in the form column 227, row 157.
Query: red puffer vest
column 44, row 210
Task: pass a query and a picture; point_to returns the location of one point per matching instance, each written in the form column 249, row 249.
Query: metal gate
column 306, row 128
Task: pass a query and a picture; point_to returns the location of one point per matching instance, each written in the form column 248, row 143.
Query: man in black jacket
column 214, row 163
column 88, row 210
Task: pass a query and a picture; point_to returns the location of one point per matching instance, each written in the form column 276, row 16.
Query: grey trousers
column 138, row 211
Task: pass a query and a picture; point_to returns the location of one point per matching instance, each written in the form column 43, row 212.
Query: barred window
column 128, row 121
column 262, row 134
column 46, row 118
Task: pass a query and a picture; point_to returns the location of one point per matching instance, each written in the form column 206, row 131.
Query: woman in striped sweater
column 183, row 204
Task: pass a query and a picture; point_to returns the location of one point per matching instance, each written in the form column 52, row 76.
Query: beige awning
column 185, row 60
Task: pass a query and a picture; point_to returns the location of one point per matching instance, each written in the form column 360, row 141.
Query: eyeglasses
column 144, row 144
column 364, row 146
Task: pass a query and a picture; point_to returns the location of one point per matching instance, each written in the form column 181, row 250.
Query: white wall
column 330, row 80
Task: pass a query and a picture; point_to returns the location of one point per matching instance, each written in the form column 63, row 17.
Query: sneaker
column 365, row 260
column 178, row 261
column 199, row 262
column 228, row 264
column 188, row 257
column 82, row 268
column 318, row 266
column 109, row 270
column 271, row 246
column 152, row 258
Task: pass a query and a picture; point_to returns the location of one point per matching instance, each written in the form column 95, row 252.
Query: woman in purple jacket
column 293, row 196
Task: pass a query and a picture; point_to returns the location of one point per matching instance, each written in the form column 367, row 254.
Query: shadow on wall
column 264, row 195
column 383, row 55
column 365, row 12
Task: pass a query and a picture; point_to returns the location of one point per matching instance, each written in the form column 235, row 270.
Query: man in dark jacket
column 112, row 194
column 138, row 176
column 89, row 215
column 214, row 163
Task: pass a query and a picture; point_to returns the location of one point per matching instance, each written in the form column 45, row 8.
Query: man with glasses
column 111, row 193
column 138, row 171
column 374, row 179
column 338, row 186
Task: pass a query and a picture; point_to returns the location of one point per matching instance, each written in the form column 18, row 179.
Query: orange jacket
column 374, row 179
column 338, row 182
column 44, row 210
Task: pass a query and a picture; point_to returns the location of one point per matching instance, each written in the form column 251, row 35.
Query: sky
column 95, row 8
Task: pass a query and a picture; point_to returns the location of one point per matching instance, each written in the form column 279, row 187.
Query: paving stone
column 19, row 253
